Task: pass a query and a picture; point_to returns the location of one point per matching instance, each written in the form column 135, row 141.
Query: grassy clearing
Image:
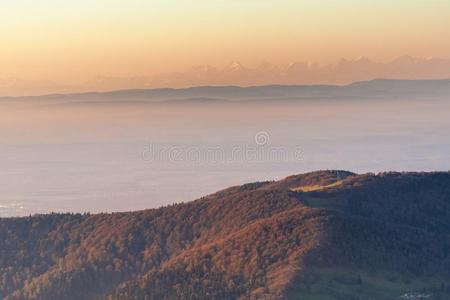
column 311, row 188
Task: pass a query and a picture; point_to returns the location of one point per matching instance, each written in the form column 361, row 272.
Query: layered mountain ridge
column 320, row 235
column 377, row 89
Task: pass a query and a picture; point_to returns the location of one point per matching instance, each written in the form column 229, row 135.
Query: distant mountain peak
column 364, row 60
column 235, row 66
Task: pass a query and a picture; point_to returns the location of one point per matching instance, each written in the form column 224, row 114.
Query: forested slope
column 321, row 235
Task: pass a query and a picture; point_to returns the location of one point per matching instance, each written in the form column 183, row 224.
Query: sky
column 75, row 40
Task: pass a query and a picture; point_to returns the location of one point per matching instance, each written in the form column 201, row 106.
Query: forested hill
column 322, row 235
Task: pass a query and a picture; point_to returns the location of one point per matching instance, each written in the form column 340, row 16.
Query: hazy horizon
column 83, row 45
column 342, row 72
column 130, row 150
column 119, row 156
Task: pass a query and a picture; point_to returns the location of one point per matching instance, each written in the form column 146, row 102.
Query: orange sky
column 72, row 41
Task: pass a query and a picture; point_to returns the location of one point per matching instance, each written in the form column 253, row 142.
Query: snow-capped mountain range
column 343, row 71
